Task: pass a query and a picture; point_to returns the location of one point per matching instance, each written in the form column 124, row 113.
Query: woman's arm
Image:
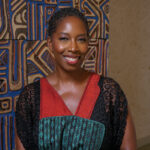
column 23, row 122
column 19, row 145
column 129, row 139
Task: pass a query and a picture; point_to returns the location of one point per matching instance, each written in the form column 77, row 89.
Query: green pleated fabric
column 70, row 133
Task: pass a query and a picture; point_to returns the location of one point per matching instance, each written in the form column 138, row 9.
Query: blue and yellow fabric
column 24, row 56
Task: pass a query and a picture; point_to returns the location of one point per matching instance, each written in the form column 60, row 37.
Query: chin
column 69, row 67
column 73, row 69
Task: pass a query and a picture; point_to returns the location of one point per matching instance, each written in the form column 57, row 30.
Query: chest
column 36, row 124
column 72, row 99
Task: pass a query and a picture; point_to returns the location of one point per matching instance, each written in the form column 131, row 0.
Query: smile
column 71, row 60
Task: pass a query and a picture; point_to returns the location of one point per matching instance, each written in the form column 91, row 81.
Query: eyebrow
column 84, row 34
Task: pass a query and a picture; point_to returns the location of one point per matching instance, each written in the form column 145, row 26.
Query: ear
column 49, row 43
column 50, row 47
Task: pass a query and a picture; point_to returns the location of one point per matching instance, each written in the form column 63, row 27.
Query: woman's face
column 69, row 43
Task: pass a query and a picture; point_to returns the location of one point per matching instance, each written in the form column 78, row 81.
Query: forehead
column 71, row 24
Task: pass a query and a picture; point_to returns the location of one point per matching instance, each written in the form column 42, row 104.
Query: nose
column 74, row 45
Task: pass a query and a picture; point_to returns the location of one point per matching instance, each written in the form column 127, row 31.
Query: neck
column 72, row 76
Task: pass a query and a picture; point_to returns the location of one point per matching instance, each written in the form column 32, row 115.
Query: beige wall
column 129, row 58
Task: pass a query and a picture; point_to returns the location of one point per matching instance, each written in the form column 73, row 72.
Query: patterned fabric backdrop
column 24, row 56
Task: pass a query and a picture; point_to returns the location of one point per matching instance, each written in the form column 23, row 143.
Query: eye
column 63, row 39
column 82, row 39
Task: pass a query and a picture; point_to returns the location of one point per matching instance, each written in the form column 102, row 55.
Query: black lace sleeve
column 25, row 110
column 117, row 107
column 111, row 109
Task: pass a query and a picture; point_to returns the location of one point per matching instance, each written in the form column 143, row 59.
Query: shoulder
column 29, row 92
column 108, row 83
column 112, row 92
column 31, row 87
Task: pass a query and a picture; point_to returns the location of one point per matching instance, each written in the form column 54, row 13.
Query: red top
column 51, row 103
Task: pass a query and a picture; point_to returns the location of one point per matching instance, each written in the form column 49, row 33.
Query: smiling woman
column 69, row 44
column 72, row 108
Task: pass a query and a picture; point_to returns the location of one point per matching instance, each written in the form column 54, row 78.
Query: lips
column 71, row 59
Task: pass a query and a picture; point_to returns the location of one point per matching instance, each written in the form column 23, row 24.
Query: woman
column 72, row 108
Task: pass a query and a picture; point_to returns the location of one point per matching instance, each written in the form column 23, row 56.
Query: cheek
column 58, row 47
column 84, row 48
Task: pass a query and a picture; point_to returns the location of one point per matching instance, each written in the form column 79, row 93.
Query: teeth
column 71, row 59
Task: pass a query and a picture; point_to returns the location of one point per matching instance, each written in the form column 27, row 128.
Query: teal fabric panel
column 70, row 132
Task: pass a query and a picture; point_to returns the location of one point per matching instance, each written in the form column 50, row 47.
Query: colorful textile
column 60, row 129
column 109, row 111
column 70, row 132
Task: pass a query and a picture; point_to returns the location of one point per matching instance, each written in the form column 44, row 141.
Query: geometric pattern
column 96, row 58
column 70, row 132
column 24, row 56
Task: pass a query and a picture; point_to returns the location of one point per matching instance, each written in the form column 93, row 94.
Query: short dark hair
column 62, row 13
